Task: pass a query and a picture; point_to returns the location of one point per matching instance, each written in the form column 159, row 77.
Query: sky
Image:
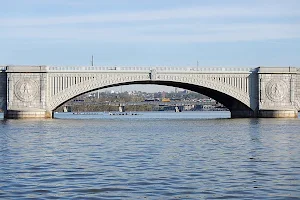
column 223, row 33
column 215, row 33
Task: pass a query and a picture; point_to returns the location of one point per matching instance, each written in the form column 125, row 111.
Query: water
column 159, row 155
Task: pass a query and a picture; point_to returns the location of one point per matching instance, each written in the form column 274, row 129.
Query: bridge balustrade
column 139, row 68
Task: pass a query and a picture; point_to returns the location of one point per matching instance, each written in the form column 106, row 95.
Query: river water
column 155, row 155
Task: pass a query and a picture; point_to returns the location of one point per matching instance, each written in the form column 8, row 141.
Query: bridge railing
column 135, row 68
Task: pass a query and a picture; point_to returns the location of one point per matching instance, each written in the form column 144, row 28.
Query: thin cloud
column 200, row 33
column 190, row 24
column 155, row 15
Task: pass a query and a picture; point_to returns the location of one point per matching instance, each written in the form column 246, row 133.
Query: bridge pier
column 278, row 114
column 121, row 108
column 27, row 114
column 265, row 114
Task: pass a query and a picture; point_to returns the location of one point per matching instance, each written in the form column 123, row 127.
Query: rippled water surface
column 162, row 155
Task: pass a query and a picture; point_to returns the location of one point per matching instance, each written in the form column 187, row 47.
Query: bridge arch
column 237, row 103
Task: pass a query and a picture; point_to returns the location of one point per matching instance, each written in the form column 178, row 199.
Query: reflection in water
column 189, row 155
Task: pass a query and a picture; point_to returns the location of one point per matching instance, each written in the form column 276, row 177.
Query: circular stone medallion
column 276, row 90
column 26, row 89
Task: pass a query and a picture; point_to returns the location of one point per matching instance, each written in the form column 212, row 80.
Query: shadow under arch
column 237, row 108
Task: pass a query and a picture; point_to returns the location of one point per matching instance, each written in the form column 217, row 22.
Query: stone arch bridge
column 36, row 91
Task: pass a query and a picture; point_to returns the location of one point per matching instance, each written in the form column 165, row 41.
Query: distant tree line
column 99, row 102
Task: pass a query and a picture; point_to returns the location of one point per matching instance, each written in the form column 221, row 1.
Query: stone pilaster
column 3, row 91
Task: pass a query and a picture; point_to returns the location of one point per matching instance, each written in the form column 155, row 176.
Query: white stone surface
column 26, row 88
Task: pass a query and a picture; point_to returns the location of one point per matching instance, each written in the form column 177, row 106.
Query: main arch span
column 35, row 91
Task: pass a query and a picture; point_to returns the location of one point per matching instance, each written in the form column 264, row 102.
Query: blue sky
column 150, row 32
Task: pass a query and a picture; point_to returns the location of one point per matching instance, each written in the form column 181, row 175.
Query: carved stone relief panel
column 26, row 90
column 276, row 90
